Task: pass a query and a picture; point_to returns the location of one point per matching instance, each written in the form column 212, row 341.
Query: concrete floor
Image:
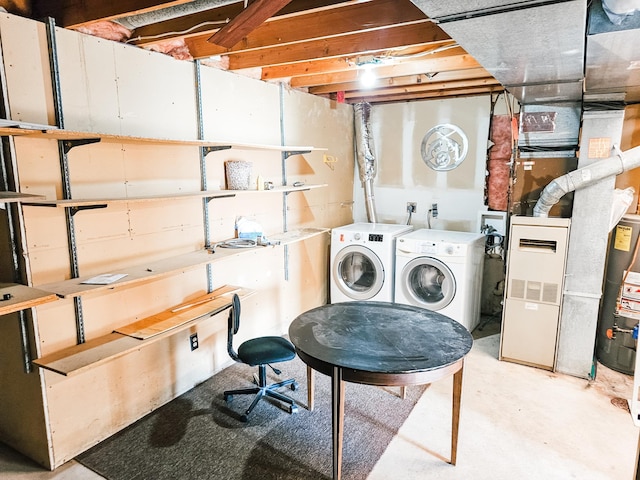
column 516, row 422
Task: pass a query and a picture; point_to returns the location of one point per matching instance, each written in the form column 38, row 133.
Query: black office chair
column 261, row 351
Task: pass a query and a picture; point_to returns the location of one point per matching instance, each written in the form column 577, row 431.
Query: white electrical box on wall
column 495, row 220
column 536, row 261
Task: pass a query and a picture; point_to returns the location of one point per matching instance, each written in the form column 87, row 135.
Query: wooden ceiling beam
column 463, row 92
column 356, row 44
column 349, row 19
column 418, row 87
column 246, row 22
column 461, row 61
column 76, row 13
column 345, row 63
column 322, row 32
column 205, row 22
column 439, row 78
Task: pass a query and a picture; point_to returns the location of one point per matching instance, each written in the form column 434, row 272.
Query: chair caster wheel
column 293, row 409
column 294, row 386
column 244, row 418
column 228, row 398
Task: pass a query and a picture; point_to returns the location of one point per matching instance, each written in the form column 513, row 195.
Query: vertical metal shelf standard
column 64, row 147
column 285, row 156
column 204, row 151
column 203, row 170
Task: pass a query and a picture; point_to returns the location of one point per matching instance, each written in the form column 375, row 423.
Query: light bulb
column 367, row 77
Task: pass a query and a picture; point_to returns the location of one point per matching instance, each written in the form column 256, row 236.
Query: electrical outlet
column 412, row 207
column 193, row 340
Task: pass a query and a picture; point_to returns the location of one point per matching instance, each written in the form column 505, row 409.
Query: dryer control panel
column 428, row 247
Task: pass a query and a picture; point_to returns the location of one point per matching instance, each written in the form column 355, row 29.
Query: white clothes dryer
column 442, row 271
column 362, row 261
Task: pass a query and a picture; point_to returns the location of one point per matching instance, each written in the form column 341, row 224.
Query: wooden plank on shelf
column 84, row 202
column 162, row 268
column 177, row 316
column 7, row 197
column 10, row 127
column 76, row 359
column 22, row 297
column 14, row 127
column 134, row 275
column 79, row 358
column 297, row 235
column 107, row 137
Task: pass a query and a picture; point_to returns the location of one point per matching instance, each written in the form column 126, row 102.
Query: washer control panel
column 361, row 237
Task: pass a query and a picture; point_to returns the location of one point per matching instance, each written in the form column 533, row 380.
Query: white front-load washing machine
column 362, row 261
column 441, row 270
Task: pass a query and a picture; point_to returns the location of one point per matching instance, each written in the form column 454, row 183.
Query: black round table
column 379, row 343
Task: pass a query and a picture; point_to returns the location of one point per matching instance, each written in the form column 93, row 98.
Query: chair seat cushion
column 261, row 350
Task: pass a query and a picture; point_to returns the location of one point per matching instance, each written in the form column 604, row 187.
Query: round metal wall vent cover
column 444, row 147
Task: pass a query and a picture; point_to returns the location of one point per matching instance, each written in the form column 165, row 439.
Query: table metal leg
column 311, row 386
column 337, row 420
column 455, row 420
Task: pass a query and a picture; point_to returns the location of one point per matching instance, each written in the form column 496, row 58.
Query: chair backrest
column 233, row 325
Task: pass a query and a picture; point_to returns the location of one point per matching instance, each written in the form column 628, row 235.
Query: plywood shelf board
column 299, row 235
column 22, row 297
column 79, row 358
column 162, row 268
column 203, row 194
column 134, row 275
column 8, row 128
column 6, row 197
column 178, row 315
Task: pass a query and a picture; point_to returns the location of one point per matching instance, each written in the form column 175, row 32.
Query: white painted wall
column 402, row 176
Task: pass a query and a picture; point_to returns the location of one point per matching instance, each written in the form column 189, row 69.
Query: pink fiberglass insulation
column 498, row 166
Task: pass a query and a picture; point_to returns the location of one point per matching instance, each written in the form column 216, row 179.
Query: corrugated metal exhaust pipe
column 583, row 177
column 134, row 21
column 365, row 155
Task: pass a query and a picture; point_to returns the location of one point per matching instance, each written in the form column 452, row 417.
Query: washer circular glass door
column 358, row 272
column 427, row 282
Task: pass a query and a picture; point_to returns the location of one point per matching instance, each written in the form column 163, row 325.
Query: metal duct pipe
column 365, row 156
column 583, row 177
column 134, row 21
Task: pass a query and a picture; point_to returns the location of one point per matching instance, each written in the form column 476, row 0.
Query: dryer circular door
column 358, row 272
column 427, row 282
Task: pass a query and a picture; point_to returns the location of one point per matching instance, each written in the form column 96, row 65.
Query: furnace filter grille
column 535, row 291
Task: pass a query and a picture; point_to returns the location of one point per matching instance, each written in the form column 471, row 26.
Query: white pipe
column 583, row 177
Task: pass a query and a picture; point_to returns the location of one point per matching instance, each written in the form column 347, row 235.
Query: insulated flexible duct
column 135, row 21
column 583, row 177
column 365, row 156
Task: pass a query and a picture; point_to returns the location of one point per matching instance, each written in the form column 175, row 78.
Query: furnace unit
column 536, row 261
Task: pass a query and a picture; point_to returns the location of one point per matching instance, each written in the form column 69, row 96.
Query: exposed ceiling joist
column 247, row 21
column 315, row 45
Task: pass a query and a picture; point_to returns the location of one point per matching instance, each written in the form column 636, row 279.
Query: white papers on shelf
column 104, row 279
